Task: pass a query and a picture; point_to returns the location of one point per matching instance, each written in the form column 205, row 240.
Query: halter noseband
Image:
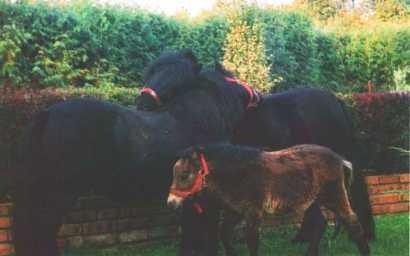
column 199, row 183
column 254, row 97
column 152, row 93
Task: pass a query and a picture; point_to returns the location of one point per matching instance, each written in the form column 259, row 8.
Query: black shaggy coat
column 86, row 145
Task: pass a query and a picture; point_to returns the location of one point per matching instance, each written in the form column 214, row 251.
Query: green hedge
column 85, row 45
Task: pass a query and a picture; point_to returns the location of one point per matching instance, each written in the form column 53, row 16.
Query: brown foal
column 250, row 183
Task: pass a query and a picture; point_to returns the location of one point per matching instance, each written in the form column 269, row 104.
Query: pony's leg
column 339, row 203
column 24, row 232
column 252, row 236
column 351, row 221
column 37, row 220
column 210, row 228
column 191, row 230
column 312, row 218
column 50, row 219
column 317, row 232
column 230, row 220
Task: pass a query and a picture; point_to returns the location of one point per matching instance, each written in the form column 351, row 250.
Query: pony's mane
column 223, row 152
column 206, row 102
column 229, row 152
column 184, row 63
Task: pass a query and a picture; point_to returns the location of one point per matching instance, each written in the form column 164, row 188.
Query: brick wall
column 97, row 226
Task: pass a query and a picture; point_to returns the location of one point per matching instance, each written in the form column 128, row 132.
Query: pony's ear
column 220, row 68
column 200, row 149
column 189, row 54
column 187, row 153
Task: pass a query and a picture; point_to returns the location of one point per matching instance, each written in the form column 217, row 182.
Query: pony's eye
column 184, row 176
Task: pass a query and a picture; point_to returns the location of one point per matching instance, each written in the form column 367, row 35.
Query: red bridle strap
column 152, row 93
column 199, row 180
column 253, row 97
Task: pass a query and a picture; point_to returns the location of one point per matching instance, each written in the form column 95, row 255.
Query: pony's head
column 175, row 73
column 190, row 172
column 171, row 72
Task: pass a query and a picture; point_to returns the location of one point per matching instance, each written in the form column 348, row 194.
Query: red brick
column 99, row 227
column 5, row 236
column 131, row 223
column 6, row 249
column 375, row 189
column 405, row 178
column 164, row 220
column 386, row 179
column 81, row 216
column 61, row 243
column 405, row 197
column 162, row 232
column 5, row 209
column 109, row 213
column 98, row 240
column 372, row 180
column 74, row 241
column 385, row 199
column 133, row 236
column 390, row 208
column 5, row 222
column 124, row 212
column 70, row 230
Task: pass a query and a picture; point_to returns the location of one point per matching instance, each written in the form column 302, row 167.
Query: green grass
column 392, row 240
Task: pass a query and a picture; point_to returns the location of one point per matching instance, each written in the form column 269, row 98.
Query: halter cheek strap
column 199, row 184
column 153, row 94
column 254, row 97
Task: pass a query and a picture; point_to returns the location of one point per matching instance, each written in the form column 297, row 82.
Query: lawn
column 392, row 240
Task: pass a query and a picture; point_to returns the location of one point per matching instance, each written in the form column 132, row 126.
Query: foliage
column 245, row 47
column 83, row 45
column 291, row 49
column 380, row 122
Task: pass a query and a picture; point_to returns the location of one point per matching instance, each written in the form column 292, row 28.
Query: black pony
column 281, row 120
column 84, row 145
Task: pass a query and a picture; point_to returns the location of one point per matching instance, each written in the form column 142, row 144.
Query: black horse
column 84, row 145
column 280, row 121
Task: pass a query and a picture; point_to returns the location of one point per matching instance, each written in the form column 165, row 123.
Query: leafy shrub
column 85, row 45
column 380, row 122
column 290, row 49
column 245, row 48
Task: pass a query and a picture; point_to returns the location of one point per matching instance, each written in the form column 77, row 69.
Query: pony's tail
column 349, row 177
column 359, row 196
column 361, row 205
column 23, row 220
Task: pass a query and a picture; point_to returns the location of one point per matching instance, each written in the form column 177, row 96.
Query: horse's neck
column 157, row 134
column 206, row 117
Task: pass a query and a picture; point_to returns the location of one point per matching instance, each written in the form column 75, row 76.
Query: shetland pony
column 250, row 183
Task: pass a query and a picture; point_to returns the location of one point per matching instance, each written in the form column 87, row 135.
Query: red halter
column 152, row 93
column 199, row 180
column 254, row 97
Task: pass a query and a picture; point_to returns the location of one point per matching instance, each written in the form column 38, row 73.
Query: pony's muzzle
column 174, row 201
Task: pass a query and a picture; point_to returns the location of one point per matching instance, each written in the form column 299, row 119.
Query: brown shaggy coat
column 251, row 183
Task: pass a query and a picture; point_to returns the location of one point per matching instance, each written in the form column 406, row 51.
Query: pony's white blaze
column 174, row 200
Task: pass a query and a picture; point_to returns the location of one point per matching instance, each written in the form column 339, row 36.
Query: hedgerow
column 85, row 45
